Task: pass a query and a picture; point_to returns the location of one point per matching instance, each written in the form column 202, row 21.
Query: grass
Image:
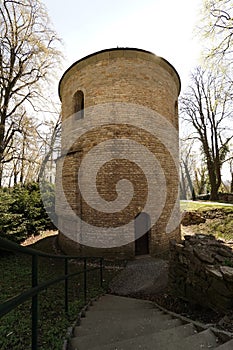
column 15, row 327
column 203, row 206
column 219, row 218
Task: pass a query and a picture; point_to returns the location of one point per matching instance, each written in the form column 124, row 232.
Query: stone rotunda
column 120, row 132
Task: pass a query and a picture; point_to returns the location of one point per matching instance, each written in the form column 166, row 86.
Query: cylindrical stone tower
column 117, row 177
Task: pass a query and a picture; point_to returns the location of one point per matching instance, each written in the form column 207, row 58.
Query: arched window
column 78, row 103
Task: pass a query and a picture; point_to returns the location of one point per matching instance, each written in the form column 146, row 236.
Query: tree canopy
column 217, row 29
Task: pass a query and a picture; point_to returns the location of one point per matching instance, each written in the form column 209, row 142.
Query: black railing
column 36, row 288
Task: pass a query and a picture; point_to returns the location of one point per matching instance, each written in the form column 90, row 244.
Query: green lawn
column 193, row 205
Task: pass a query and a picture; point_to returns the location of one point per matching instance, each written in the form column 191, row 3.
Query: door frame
column 144, row 239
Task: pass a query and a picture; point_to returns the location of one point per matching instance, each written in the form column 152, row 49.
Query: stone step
column 113, row 302
column 97, row 322
column 105, row 315
column 130, row 324
column 226, row 346
column 160, row 340
column 202, row 340
column 124, row 331
column 140, row 311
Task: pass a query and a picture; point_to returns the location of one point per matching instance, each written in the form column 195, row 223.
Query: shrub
column 22, row 212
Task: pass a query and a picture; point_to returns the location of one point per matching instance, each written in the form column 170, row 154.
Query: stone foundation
column 159, row 248
column 71, row 247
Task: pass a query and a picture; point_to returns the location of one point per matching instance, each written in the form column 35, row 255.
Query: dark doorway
column 142, row 225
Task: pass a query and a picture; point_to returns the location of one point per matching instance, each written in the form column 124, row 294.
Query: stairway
column 120, row 323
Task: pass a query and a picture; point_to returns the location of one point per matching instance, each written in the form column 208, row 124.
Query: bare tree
column 27, row 152
column 28, row 58
column 231, row 181
column 201, row 179
column 207, row 106
column 231, row 172
column 186, row 168
column 193, row 171
column 50, row 148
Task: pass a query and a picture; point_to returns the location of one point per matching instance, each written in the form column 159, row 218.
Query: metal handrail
column 36, row 288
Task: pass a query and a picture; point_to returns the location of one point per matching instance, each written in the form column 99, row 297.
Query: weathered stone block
column 227, row 273
column 199, row 267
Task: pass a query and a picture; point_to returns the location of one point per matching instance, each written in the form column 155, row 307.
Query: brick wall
column 127, row 76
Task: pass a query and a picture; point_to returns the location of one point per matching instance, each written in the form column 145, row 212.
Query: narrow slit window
column 79, row 104
column 176, row 108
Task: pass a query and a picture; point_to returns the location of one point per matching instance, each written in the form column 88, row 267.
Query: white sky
column 163, row 27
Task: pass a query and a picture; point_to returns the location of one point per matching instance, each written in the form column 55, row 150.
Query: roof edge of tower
column 123, row 52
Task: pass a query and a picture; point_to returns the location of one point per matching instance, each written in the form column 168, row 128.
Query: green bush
column 22, row 211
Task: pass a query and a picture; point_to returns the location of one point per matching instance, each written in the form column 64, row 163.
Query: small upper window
column 78, row 103
column 176, row 108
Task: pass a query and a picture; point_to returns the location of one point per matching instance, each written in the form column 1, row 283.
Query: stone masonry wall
column 201, row 271
column 128, row 76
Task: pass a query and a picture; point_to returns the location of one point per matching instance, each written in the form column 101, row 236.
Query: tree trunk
column 232, row 182
column 214, row 193
column 1, row 172
column 212, row 177
column 182, row 186
column 189, row 182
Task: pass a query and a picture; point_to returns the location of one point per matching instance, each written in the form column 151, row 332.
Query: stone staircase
column 120, row 323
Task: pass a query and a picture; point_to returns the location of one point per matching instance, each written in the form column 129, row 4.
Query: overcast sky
column 163, row 27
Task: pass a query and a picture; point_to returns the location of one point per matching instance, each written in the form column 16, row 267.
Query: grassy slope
column 219, row 218
column 53, row 323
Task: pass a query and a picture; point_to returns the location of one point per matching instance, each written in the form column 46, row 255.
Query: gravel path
column 144, row 275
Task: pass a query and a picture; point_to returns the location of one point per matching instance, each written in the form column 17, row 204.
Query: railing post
column 34, row 303
column 66, row 287
column 85, row 280
column 7, row 306
column 101, row 272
